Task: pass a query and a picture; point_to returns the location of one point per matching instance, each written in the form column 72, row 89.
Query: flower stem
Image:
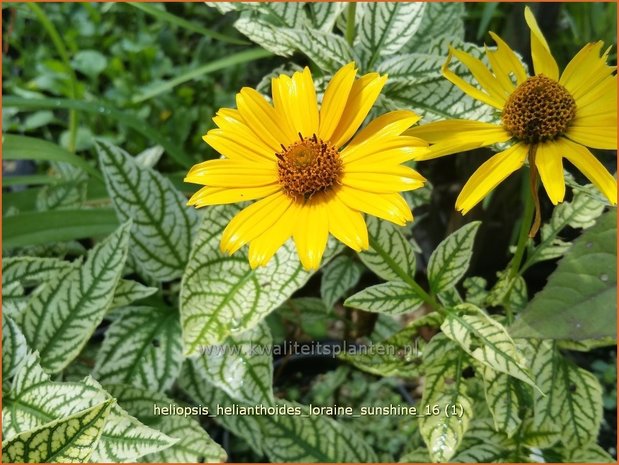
column 350, row 23
column 525, row 226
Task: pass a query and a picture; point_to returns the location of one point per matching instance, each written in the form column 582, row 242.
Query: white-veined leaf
column 60, row 319
column 242, row 366
column 163, row 225
column 487, row 341
column 476, row 292
column 69, row 192
column 592, row 453
column 70, row 439
column 482, row 444
column 450, row 260
column 440, row 19
column 14, row 348
column 221, row 295
column 329, row 51
column 288, row 14
column 279, row 40
column 392, row 298
column 502, row 398
column 129, row 291
column 443, row 362
column 391, row 255
column 339, row 276
column 34, row 400
column 323, row 15
column 385, row 27
column 193, row 444
column 292, row 437
column 142, row 348
column 150, row 157
column 398, row 355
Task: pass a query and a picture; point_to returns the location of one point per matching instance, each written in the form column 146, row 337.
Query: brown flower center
column 539, row 109
column 308, row 167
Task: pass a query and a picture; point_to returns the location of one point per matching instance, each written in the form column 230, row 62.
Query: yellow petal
column 388, row 151
column 363, row 94
column 468, row 88
column 311, row 232
column 221, row 195
column 504, row 63
column 296, row 99
column 253, row 221
column 391, row 207
column 598, row 132
column 484, row 77
column 232, row 173
column 383, row 179
column 599, row 101
column 234, row 127
column 263, row 247
column 543, row 61
column 489, row 175
column 347, row 225
column 550, row 168
column 586, row 70
column 334, row 100
column 262, row 118
column 236, row 146
column 454, row 136
column 591, row 167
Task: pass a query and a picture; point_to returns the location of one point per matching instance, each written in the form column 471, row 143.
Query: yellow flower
column 311, row 175
column 548, row 117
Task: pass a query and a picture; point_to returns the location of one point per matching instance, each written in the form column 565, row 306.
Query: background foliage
column 112, row 288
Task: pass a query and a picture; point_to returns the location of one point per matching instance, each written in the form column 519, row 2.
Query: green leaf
column 193, row 444
column 310, row 313
column 487, row 341
column 14, row 348
column 579, row 299
column 163, row 225
column 60, row 319
column 70, row 439
column 589, row 454
column 450, row 261
column 572, row 404
column 339, row 276
column 89, row 62
column 502, row 398
column 441, row 430
column 129, row 291
column 483, row 444
column 142, row 348
column 221, row 295
column 242, row 367
column 391, row 298
column 101, row 109
column 293, row 437
column 391, row 255
column 34, row 401
column 400, row 354
column 16, row 147
column 36, row 228
column 385, row 28
column 329, row 51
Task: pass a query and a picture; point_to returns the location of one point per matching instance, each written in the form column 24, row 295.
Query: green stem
column 64, row 56
column 350, row 23
column 525, row 226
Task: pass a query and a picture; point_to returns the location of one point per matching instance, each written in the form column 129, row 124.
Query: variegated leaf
column 242, row 366
column 502, row 398
column 450, row 260
column 191, row 442
column 329, row 51
column 391, row 255
column 34, row 401
column 142, row 348
column 14, row 348
column 391, row 298
column 163, row 225
column 70, row 439
column 222, row 295
column 129, row 291
column 279, row 40
column 323, row 15
column 339, row 276
column 487, row 341
column 440, row 19
column 60, row 319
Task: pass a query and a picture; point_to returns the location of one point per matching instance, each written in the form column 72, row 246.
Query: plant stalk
column 350, row 23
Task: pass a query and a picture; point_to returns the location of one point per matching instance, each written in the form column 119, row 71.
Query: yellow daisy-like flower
column 311, row 175
column 549, row 117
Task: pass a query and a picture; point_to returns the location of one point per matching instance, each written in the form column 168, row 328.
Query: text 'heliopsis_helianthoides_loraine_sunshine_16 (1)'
column 544, row 117
column 310, row 170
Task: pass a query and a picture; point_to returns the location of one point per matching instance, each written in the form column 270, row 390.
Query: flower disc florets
column 308, row 167
column 539, row 109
